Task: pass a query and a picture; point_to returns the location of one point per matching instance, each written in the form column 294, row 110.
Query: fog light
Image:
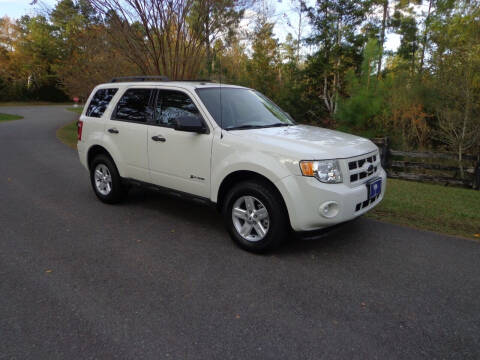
column 329, row 209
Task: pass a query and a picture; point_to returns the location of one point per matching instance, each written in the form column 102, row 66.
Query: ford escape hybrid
column 231, row 146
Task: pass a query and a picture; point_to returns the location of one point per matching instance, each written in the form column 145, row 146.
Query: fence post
column 385, row 151
column 476, row 177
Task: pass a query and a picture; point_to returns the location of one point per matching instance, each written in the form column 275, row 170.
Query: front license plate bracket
column 374, row 188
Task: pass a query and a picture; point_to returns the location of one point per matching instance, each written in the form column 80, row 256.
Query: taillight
column 79, row 129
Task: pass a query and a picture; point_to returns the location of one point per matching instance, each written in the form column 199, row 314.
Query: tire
column 247, row 221
column 113, row 193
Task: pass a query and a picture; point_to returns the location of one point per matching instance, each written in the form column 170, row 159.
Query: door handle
column 158, row 138
column 113, row 131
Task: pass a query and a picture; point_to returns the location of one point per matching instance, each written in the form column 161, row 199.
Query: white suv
column 230, row 146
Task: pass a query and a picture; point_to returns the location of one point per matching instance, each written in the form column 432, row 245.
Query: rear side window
column 172, row 105
column 135, row 105
column 99, row 102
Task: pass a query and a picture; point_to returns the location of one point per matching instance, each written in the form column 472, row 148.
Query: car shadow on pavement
column 193, row 211
column 340, row 238
column 196, row 213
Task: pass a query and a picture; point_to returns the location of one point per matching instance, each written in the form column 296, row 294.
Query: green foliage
column 9, row 117
column 335, row 32
column 456, row 66
column 406, row 26
column 263, row 66
column 76, row 110
column 29, row 60
column 439, row 208
column 68, row 134
column 213, row 19
column 360, row 110
column 421, row 106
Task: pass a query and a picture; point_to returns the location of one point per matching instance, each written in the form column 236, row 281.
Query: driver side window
column 172, row 105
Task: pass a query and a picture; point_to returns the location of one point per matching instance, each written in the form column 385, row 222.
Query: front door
column 178, row 160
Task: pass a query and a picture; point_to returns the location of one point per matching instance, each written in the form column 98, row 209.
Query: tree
column 8, row 35
column 71, row 18
column 366, row 95
column 93, row 60
column 36, row 50
column 406, row 26
column 263, row 67
column 155, row 35
column 298, row 8
column 289, row 92
column 230, row 62
column 212, row 19
column 383, row 29
column 456, row 66
column 425, row 35
column 87, row 55
column 335, row 33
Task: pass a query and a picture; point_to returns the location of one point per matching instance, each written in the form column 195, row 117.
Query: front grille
column 364, row 204
column 362, row 168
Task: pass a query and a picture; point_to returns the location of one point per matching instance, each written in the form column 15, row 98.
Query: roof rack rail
column 197, row 80
column 139, row 78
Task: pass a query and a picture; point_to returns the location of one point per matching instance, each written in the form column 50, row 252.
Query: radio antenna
column 221, row 107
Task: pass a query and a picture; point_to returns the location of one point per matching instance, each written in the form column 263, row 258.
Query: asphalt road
column 157, row 277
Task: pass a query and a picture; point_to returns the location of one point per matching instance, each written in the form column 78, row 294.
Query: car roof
column 191, row 85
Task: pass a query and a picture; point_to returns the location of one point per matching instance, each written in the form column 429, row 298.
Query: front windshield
column 240, row 108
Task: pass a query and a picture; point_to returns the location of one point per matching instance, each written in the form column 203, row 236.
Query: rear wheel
column 255, row 216
column 105, row 179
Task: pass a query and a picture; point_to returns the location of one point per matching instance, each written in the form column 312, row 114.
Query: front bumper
column 305, row 198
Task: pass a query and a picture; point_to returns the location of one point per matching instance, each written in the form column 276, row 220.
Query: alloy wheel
column 103, row 179
column 250, row 218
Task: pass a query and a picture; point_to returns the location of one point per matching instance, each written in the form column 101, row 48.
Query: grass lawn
column 9, row 117
column 68, row 133
column 449, row 210
column 31, row 103
column 77, row 110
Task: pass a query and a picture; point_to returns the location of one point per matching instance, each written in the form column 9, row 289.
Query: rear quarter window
column 100, row 101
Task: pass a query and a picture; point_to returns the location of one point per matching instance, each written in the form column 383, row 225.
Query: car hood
column 308, row 142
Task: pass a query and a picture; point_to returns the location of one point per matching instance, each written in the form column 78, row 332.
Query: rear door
column 127, row 130
column 178, row 160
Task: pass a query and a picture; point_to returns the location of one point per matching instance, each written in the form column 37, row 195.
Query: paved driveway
column 157, row 277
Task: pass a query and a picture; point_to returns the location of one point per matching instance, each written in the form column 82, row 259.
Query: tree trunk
column 460, row 165
column 299, row 35
column 466, row 119
column 382, row 36
column 208, row 50
column 424, row 41
column 326, row 97
column 336, row 79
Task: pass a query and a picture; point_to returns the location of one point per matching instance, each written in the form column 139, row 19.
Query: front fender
column 229, row 159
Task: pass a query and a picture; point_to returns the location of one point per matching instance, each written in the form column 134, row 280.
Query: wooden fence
column 440, row 168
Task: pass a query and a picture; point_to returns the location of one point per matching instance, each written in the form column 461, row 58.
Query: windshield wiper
column 278, row 125
column 244, row 127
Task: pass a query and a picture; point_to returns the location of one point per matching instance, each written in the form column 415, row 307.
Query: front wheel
column 255, row 216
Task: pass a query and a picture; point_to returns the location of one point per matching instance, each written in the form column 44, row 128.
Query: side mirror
column 190, row 124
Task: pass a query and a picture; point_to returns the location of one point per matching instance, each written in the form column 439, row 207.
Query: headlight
column 326, row 171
